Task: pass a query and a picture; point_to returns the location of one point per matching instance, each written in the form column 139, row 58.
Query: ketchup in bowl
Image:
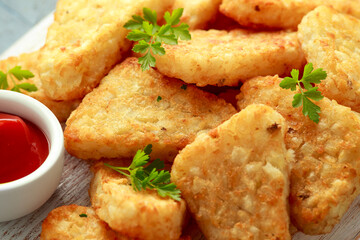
column 23, row 147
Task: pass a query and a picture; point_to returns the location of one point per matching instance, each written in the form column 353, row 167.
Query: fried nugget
column 133, row 108
column 76, row 222
column 142, row 214
column 29, row 61
column 223, row 58
column 85, row 41
column 331, row 41
column 235, row 178
column 280, row 13
column 197, row 13
column 325, row 173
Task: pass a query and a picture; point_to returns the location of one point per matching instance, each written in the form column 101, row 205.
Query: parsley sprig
column 310, row 77
column 149, row 177
column 19, row 74
column 150, row 36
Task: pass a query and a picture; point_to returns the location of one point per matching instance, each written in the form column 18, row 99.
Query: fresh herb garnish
column 149, row 177
column 83, row 215
column 158, row 98
column 150, row 36
column 308, row 79
column 19, row 74
column 184, row 86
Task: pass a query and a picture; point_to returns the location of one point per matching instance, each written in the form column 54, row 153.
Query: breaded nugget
column 235, row 178
column 142, row 214
column 197, row 13
column 29, row 61
column 280, row 13
column 85, row 41
column 125, row 113
column 325, row 174
column 223, row 58
column 331, row 41
column 65, row 223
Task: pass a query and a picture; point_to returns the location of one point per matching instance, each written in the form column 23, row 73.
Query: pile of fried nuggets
column 245, row 172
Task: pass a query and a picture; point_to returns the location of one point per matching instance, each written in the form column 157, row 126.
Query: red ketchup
column 23, row 147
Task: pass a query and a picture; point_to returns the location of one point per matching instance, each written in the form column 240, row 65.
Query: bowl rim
column 55, row 136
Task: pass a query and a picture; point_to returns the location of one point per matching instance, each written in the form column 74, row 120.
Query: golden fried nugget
column 141, row 214
column 85, row 41
column 235, row 178
column 280, row 13
column 133, row 108
column 223, row 58
column 197, row 13
column 331, row 41
column 29, row 61
column 325, row 174
column 65, row 223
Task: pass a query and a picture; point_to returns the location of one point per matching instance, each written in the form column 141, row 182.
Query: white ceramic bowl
column 22, row 196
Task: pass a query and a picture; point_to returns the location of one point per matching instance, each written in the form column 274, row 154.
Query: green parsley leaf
column 83, row 215
column 158, row 98
column 148, row 28
column 149, row 177
column 182, row 32
column 310, row 78
column 157, row 49
column 289, row 83
column 314, row 94
column 297, row 100
column 315, row 76
column 137, row 35
column 156, row 164
column 141, row 47
column 28, row 87
column 3, row 81
column 19, row 74
column 135, row 23
column 150, row 16
column 148, row 149
column 150, row 36
column 147, row 61
column 174, row 17
column 184, row 86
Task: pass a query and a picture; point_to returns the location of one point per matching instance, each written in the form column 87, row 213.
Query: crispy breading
column 65, row 223
column 235, row 178
column 224, row 58
column 29, row 61
column 325, row 173
column 124, row 114
column 85, row 41
column 141, row 214
column 280, row 13
column 197, row 13
column 331, row 41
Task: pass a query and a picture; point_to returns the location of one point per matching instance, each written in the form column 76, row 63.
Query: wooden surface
column 19, row 16
column 73, row 188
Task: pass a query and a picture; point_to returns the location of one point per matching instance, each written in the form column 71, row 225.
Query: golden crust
column 144, row 215
column 123, row 115
column 197, row 13
column 331, row 41
column 280, row 13
column 325, row 174
column 65, row 223
column 235, row 178
column 224, row 58
column 85, row 41
column 29, row 61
